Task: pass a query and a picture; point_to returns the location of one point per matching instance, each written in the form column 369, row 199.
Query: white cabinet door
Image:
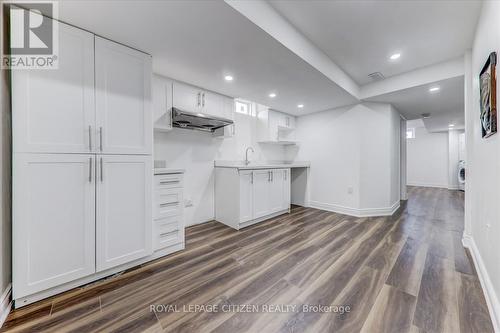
column 228, row 107
column 276, row 190
column 53, row 220
column 286, row 189
column 261, row 181
column 123, row 99
column 212, row 104
column 273, row 123
column 162, row 103
column 246, row 195
column 124, row 190
column 186, row 97
column 53, row 110
column 287, row 121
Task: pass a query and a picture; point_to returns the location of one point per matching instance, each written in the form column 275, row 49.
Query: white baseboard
column 5, row 304
column 427, row 185
column 357, row 212
column 484, row 278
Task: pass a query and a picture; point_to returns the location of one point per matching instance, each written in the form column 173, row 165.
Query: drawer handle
column 169, row 182
column 165, row 234
column 169, row 204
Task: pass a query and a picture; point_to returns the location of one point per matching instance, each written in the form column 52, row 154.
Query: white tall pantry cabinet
column 82, row 164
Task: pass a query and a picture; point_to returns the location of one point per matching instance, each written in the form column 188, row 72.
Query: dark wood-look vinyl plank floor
column 403, row 273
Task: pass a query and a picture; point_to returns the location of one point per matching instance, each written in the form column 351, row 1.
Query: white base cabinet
column 168, row 220
column 54, row 220
column 245, row 197
column 124, row 187
column 76, row 215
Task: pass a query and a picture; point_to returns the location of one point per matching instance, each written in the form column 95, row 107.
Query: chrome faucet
column 246, row 155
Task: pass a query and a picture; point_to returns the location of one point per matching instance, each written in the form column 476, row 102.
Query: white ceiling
column 359, row 36
column 201, row 41
column 445, row 106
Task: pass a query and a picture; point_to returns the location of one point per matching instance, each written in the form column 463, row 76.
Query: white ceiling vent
column 376, row 76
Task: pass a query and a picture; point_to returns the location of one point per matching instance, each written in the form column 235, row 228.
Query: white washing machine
column 461, row 175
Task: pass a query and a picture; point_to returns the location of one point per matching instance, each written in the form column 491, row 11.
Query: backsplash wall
column 196, row 151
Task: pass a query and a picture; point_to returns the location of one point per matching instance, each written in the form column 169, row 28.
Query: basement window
column 410, row 133
column 244, row 107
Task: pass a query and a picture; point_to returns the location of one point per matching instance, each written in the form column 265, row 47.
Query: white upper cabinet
column 228, row 113
column 212, row 104
column 54, row 220
column 123, row 98
column 286, row 121
column 192, row 99
column 124, row 214
column 186, row 97
column 53, row 110
column 275, row 127
column 162, row 103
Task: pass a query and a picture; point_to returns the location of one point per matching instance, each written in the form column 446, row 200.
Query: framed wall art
column 488, row 98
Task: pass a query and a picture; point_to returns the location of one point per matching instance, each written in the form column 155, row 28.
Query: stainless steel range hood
column 198, row 121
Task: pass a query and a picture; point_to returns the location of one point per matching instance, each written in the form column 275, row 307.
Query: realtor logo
column 33, row 35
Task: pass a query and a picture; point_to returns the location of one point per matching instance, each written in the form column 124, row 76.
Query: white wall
column 453, row 157
column 483, row 167
column 403, row 170
column 354, row 155
column 196, row 151
column 5, row 183
column 427, row 159
column 395, row 142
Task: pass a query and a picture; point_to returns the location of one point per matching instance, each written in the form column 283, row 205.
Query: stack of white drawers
column 168, row 224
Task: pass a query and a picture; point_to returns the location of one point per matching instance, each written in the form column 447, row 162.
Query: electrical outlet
column 188, row 203
column 350, row 190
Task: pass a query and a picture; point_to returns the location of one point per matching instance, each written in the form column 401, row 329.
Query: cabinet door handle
column 284, row 174
column 90, row 138
column 100, row 138
column 203, row 99
column 272, row 176
column 102, row 173
column 198, row 99
column 90, row 169
column 251, row 179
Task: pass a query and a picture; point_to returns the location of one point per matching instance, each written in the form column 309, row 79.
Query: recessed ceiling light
column 451, row 125
column 228, row 78
column 300, row 106
column 272, row 95
column 395, row 56
column 434, row 89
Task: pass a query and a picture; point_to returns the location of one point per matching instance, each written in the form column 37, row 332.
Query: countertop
column 261, row 165
column 164, row 171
